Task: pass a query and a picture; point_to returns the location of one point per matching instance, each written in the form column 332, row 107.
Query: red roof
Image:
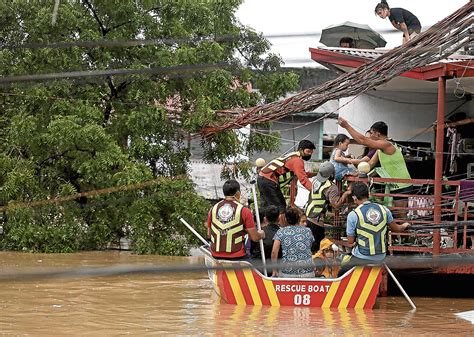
column 454, row 65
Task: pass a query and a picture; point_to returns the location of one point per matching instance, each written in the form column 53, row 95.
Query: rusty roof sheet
column 372, row 54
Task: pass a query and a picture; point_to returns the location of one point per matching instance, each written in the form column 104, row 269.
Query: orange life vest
column 279, row 170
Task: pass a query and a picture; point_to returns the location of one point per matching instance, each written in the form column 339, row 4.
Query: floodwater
column 185, row 304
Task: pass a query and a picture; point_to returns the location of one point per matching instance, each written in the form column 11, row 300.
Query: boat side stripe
column 330, row 295
column 318, row 301
column 350, row 288
column 369, row 284
column 359, row 287
column 261, row 288
column 234, row 284
column 369, row 304
column 271, row 293
column 226, row 287
column 252, row 287
column 244, row 287
column 341, row 290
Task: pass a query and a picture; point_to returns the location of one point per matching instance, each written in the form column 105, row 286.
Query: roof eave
column 426, row 73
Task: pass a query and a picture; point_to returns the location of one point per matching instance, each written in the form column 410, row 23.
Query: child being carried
column 341, row 160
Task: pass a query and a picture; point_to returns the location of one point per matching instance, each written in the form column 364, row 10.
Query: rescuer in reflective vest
column 280, row 171
column 367, row 227
column 324, row 193
column 227, row 223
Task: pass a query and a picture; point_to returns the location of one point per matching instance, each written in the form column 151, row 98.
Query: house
column 409, row 102
column 420, row 106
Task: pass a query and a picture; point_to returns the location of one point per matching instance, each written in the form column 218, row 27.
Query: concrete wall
column 290, row 137
column 330, row 126
column 407, row 114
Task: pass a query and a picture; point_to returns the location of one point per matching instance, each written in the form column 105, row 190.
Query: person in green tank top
column 387, row 154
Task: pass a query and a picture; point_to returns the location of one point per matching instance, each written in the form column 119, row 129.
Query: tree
column 67, row 136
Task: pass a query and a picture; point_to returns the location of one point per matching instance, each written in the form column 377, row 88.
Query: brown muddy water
column 185, row 304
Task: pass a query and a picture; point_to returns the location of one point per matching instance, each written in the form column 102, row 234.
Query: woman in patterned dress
column 295, row 242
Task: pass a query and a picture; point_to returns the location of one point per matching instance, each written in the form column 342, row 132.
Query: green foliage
column 64, row 137
column 259, row 141
column 48, row 229
column 154, row 224
column 275, row 85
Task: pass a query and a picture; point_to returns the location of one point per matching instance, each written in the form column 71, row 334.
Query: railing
column 438, row 240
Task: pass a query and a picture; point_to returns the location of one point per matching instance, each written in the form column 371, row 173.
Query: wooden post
column 438, row 186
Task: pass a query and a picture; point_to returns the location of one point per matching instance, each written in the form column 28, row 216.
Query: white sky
column 272, row 17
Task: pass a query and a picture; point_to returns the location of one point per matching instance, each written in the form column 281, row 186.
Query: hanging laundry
column 453, row 148
column 414, row 203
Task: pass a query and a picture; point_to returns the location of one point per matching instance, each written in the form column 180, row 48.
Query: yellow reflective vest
column 371, row 228
column 317, row 200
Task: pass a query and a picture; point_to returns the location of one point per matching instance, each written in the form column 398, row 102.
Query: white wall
column 407, row 114
column 292, row 130
column 330, row 126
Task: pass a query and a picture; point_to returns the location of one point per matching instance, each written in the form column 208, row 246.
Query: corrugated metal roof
column 372, row 54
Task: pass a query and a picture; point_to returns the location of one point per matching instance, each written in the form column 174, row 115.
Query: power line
column 405, row 262
column 156, row 41
column 113, row 72
column 120, row 188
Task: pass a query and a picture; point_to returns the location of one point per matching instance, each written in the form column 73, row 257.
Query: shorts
column 415, row 29
column 270, row 194
column 239, row 258
column 342, row 171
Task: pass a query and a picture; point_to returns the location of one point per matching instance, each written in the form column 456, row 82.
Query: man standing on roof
column 367, row 229
column 401, row 19
column 227, row 223
column 324, row 193
column 280, row 171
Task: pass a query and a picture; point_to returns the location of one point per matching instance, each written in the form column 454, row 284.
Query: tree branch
column 113, row 90
column 103, row 30
column 249, row 61
column 51, row 158
column 119, row 25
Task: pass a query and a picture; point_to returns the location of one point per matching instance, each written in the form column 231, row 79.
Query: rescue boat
column 358, row 288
